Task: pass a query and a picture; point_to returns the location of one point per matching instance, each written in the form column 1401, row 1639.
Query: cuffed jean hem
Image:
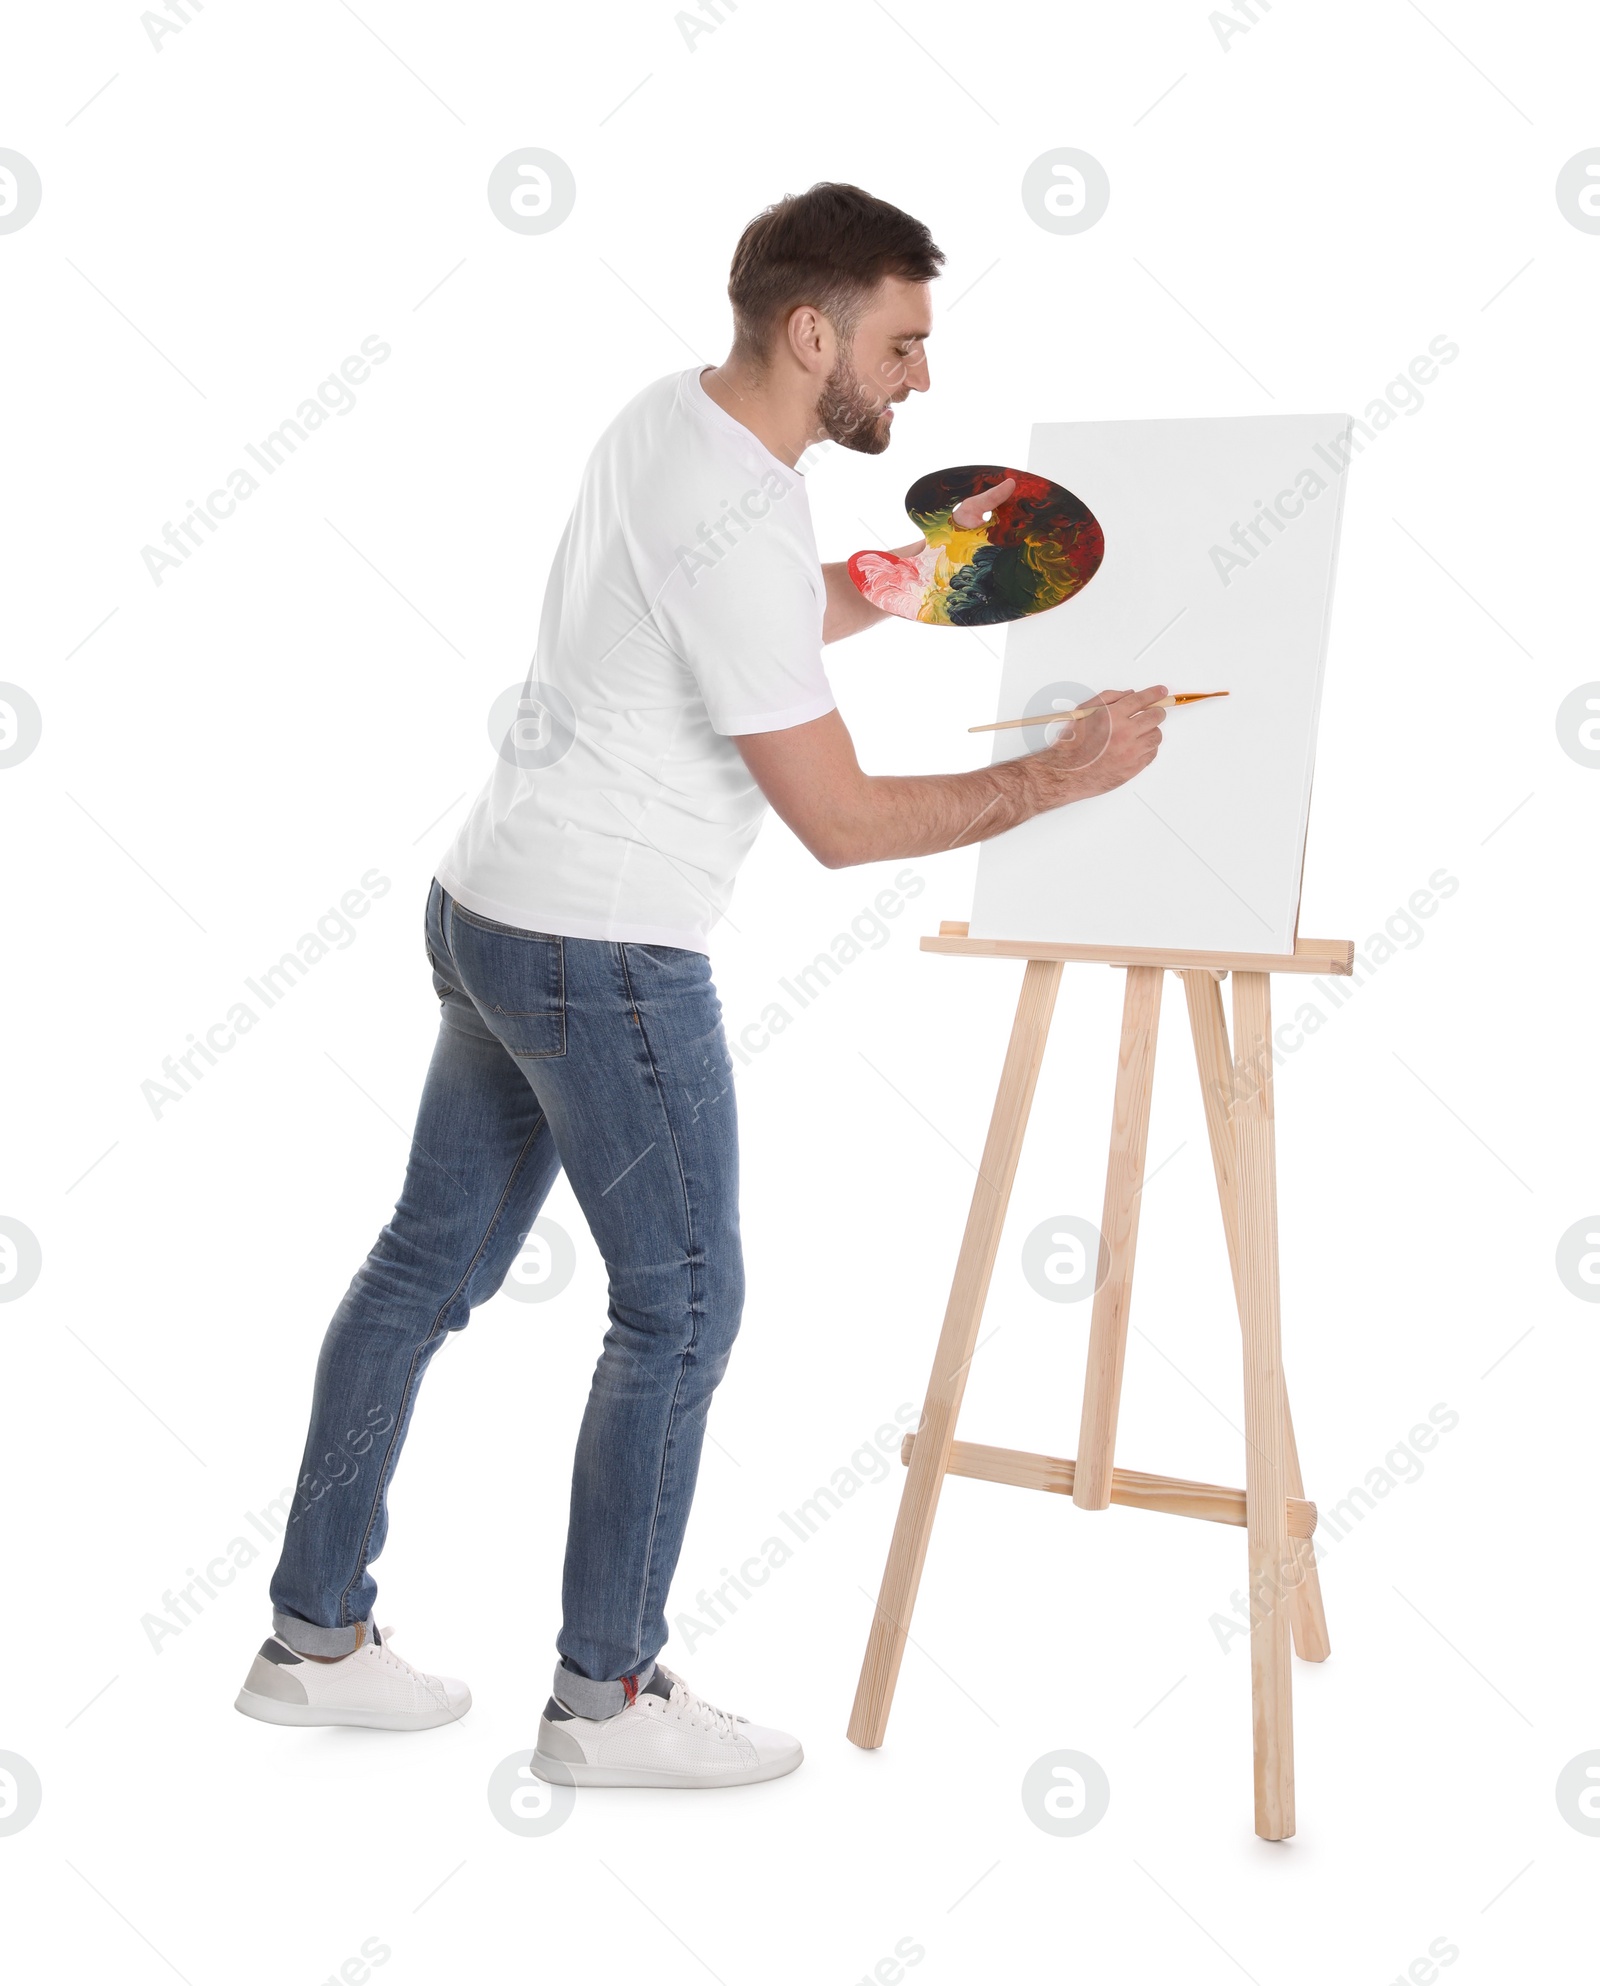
column 590, row 1699
column 305, row 1638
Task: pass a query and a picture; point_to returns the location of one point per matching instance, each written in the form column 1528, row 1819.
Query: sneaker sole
column 268, row 1711
column 559, row 1772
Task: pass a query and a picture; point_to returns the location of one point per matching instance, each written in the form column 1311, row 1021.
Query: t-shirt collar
column 702, row 403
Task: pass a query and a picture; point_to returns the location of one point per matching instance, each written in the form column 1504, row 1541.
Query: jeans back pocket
column 516, row 979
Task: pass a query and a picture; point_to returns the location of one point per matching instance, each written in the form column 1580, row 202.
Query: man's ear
column 811, row 339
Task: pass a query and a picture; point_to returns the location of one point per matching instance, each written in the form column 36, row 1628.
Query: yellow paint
column 956, row 548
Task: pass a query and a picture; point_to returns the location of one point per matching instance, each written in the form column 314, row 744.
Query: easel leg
column 957, row 1340
column 1108, row 1330
column 1272, row 1566
column 1212, row 1058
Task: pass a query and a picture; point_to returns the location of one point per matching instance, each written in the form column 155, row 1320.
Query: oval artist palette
column 1036, row 550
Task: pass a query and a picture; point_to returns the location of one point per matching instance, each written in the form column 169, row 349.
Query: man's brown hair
column 829, row 247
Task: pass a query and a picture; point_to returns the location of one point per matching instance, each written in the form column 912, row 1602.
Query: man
column 678, row 688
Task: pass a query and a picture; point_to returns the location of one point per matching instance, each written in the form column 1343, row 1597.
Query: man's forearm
column 812, row 778
column 888, row 818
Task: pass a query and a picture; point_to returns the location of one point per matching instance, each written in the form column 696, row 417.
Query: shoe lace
column 387, row 1652
column 684, row 1700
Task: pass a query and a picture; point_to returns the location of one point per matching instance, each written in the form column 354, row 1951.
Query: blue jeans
column 607, row 1060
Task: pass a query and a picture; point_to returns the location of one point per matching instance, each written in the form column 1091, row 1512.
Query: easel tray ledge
column 1330, row 955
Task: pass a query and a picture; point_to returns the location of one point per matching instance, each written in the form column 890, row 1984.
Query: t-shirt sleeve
column 748, row 624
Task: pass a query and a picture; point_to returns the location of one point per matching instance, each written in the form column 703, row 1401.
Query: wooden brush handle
column 1087, row 709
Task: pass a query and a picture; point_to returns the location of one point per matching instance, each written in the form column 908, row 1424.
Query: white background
column 1292, row 219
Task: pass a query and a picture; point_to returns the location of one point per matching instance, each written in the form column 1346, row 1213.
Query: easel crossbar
column 1175, row 1495
column 1333, row 956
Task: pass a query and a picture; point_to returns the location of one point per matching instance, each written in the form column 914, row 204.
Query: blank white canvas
column 1203, row 850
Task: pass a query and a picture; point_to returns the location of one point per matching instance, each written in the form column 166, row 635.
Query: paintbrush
column 1088, row 710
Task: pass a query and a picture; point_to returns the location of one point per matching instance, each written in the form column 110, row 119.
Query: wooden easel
column 1237, row 1088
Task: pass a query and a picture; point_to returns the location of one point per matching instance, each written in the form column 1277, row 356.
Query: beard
column 851, row 414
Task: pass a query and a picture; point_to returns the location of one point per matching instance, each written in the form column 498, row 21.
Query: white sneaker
column 667, row 1736
column 374, row 1688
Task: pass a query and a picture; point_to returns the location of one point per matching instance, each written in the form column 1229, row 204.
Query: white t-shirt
column 684, row 607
